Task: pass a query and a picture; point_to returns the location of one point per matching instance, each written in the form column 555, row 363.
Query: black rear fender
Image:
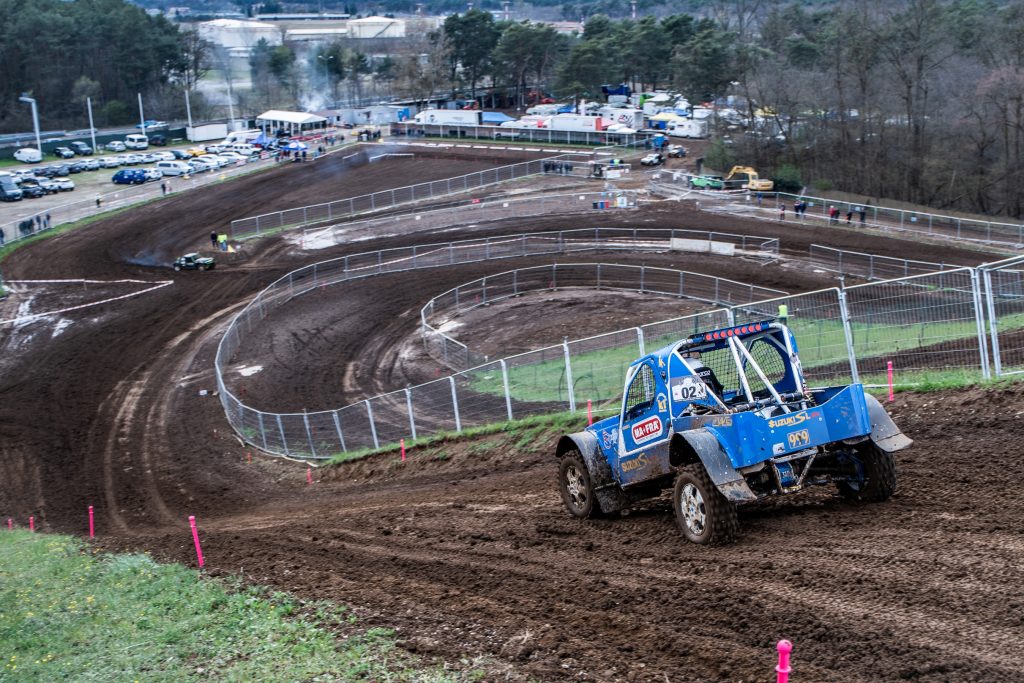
column 700, row 445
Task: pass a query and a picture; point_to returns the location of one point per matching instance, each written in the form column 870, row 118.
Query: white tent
column 291, row 122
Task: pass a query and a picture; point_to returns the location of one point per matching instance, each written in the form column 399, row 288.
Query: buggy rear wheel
column 704, row 515
column 878, row 480
column 177, row 267
column 576, row 486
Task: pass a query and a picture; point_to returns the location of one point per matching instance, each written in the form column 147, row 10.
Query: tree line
column 918, row 100
column 61, row 53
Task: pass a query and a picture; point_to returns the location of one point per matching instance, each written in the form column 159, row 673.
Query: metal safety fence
column 478, row 210
column 870, row 266
column 255, row 226
column 446, row 307
column 927, row 325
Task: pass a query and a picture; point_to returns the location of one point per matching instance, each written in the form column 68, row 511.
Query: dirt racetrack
column 466, row 551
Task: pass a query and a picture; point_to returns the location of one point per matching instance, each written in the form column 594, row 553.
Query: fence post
column 263, row 432
column 373, row 427
column 309, row 433
column 848, row 333
column 993, row 324
column 508, row 394
column 554, row 274
column 640, row 341
column 337, row 428
column 979, row 320
column 451, row 253
column 599, row 276
column 568, row 375
column 643, row 270
column 484, row 289
column 280, row 428
column 680, row 283
column 412, row 418
column 304, row 216
column 455, row 404
column 515, row 282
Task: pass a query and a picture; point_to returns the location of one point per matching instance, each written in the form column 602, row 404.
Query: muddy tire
column 177, row 267
column 879, row 476
column 703, row 514
column 577, row 487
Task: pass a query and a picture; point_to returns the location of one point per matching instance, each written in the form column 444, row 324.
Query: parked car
column 52, row 171
column 174, row 168
column 115, row 146
column 153, row 173
column 136, row 141
column 28, row 155
column 75, row 166
column 129, row 176
column 90, row 164
column 81, row 148
column 132, row 159
column 64, row 184
column 9, row 190
column 63, row 152
column 31, row 188
column 195, row 151
column 149, row 123
column 163, row 156
column 199, row 165
column 153, row 157
column 181, row 155
column 109, row 162
column 158, row 140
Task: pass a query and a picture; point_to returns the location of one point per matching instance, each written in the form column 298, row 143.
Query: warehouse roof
column 298, row 117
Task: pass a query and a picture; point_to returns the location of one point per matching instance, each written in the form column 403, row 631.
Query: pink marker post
column 309, row 475
column 889, row 367
column 401, row 443
column 784, row 647
column 590, row 413
column 92, row 528
column 31, row 523
column 10, row 523
column 195, row 537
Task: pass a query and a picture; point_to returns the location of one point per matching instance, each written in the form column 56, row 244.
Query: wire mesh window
column 641, row 391
column 770, row 359
column 721, row 364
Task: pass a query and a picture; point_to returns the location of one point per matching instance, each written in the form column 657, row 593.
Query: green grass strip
column 69, row 614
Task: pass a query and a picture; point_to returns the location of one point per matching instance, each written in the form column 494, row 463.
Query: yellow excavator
column 749, row 179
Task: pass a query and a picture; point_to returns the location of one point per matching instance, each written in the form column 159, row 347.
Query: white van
column 28, row 155
column 171, row 168
column 245, row 150
column 136, row 141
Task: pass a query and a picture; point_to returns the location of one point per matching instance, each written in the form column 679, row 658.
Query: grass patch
column 515, row 429
column 67, row 614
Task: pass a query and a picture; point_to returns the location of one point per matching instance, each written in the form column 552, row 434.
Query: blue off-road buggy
column 727, row 416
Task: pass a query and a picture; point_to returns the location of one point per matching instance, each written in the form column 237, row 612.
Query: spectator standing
column 782, row 212
column 213, row 239
column 863, row 214
column 99, row 201
column 849, row 215
column 47, row 219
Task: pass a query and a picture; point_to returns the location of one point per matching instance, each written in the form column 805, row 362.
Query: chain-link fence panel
column 598, row 367
column 870, row 266
column 480, row 393
column 391, row 416
column 434, row 407
column 928, row 323
column 1005, row 294
column 538, row 383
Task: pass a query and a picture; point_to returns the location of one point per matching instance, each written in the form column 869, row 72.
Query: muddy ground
column 464, row 550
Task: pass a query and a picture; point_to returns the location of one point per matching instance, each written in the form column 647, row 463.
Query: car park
column 129, row 176
column 64, row 184
column 28, row 155
column 80, row 148
column 63, row 152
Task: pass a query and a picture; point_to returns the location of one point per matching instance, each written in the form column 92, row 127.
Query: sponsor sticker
column 794, row 419
column 646, row 430
column 798, row 438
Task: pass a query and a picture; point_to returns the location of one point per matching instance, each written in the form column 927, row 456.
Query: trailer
column 576, row 123
column 687, row 128
column 450, row 117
